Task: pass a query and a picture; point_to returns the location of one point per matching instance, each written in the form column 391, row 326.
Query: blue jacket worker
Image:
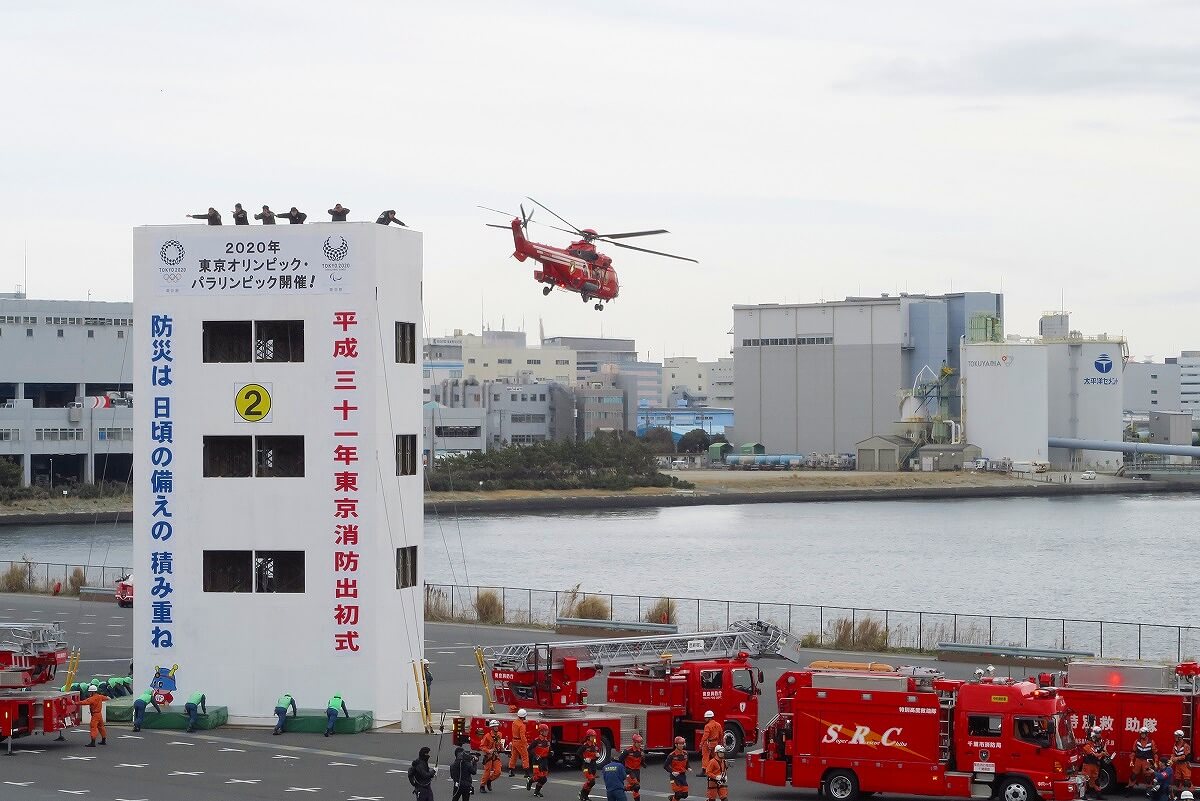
column 281, row 710
column 335, row 705
column 196, row 704
column 614, row 780
column 1164, row 778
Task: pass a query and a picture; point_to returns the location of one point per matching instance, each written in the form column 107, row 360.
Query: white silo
column 1085, row 401
column 1004, row 391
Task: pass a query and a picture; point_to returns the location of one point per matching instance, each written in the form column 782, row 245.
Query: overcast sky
column 800, row 151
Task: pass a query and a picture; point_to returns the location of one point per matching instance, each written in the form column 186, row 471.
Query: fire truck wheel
column 734, row 741
column 1017, row 788
column 842, row 785
column 606, row 750
column 1106, row 779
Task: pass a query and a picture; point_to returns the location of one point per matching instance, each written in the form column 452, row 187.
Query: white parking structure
column 278, row 502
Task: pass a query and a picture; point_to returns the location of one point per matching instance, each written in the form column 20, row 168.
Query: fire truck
column 657, row 686
column 1121, row 697
column 30, row 656
column 852, row 733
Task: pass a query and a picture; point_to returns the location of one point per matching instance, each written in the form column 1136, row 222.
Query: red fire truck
column 659, row 687
column 30, row 656
column 912, row 731
column 1121, row 698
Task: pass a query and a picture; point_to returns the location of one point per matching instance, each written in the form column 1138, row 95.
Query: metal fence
column 845, row 628
column 43, row 576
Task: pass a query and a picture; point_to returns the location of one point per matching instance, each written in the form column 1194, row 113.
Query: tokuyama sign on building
column 252, row 262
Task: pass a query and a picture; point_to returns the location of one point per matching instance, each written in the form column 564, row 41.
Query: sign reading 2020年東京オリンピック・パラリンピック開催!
column 289, row 264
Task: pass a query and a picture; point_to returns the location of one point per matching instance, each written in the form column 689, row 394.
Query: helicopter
column 578, row 267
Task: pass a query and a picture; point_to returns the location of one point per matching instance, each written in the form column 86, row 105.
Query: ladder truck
column 1121, row 697
column 657, row 686
column 851, row 734
column 30, row 656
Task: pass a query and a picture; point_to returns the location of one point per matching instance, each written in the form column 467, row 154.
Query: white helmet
column 709, row 715
column 1143, row 730
column 720, row 749
column 522, row 714
column 1186, row 795
column 92, row 688
column 493, row 723
column 1179, row 732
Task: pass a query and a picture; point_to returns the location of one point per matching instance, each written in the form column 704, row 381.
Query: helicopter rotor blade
column 495, row 225
column 497, row 211
column 575, row 228
column 633, row 233
column 647, row 250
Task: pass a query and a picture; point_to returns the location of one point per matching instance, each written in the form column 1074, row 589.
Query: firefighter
column 212, row 216
column 1143, row 759
column 1093, row 755
column 338, row 213
column 718, row 779
column 588, row 754
column 197, row 705
column 632, row 758
column 240, row 217
column 710, row 738
column 335, row 705
column 676, row 765
column 540, row 748
column 519, row 749
column 281, row 710
column 491, row 746
column 139, row 708
column 388, row 217
column 95, row 703
column 1180, row 755
column 294, row 216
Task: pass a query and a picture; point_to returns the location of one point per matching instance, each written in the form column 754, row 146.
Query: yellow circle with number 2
column 253, row 403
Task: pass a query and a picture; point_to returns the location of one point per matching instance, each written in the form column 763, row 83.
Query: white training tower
column 278, row 484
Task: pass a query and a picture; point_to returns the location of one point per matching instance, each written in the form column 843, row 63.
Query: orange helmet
column 543, row 729
column 590, row 733
column 637, row 739
column 680, row 742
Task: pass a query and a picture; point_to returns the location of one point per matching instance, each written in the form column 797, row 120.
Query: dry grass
column 864, row 635
column 489, row 608
column 437, row 605
column 584, row 607
column 17, row 578
column 663, row 611
column 77, row 579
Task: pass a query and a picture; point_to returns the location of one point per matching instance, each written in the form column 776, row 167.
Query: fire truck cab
column 911, row 731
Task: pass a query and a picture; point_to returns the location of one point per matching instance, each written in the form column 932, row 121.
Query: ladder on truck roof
column 755, row 637
column 30, row 650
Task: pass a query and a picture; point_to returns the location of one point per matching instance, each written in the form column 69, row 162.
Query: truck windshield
column 1035, row 730
column 1064, row 740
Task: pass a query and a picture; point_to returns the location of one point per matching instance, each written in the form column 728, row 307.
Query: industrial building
column 494, row 356
column 1151, row 386
column 277, row 530
column 1005, row 399
column 704, row 383
column 447, row 430
column 66, row 390
column 593, row 352
column 821, row 377
column 1189, row 380
column 679, row 420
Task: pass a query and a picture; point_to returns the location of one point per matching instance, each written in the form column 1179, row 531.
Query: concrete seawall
column 551, row 502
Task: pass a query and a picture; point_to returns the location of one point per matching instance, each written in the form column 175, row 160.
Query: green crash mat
column 121, row 711
column 313, row 721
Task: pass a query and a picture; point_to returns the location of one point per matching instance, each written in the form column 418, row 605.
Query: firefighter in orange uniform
column 718, row 779
column 710, row 738
column 676, row 764
column 1180, row 756
column 519, row 745
column 1093, row 755
column 491, row 746
column 95, row 703
column 1143, row 759
column 541, row 761
column 588, row 754
column 632, row 758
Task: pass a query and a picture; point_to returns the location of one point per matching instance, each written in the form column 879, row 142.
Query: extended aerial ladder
column 30, row 654
column 547, row 675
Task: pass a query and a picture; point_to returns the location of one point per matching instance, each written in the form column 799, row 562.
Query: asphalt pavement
column 244, row 763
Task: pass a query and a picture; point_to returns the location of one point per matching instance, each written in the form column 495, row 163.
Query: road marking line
column 284, row 756
column 131, row 737
column 114, row 635
column 19, row 784
column 130, row 765
column 302, row 789
column 185, row 773
column 131, row 799
column 365, row 798
column 243, row 781
column 181, row 742
column 20, row 751
column 75, row 792
column 78, row 758
column 303, row 750
column 237, row 750
column 342, row 765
